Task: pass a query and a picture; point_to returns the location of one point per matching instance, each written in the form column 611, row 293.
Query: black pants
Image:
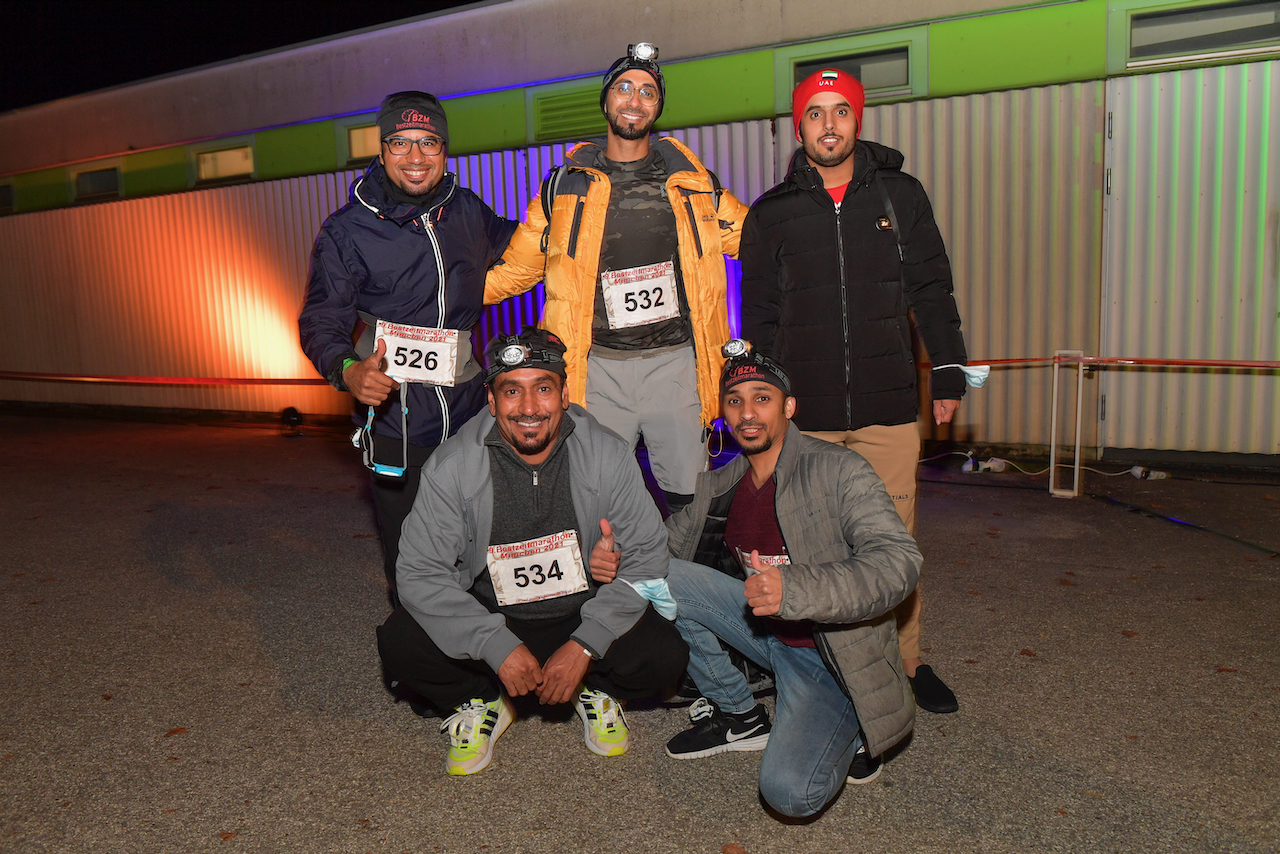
column 642, row 662
column 393, row 499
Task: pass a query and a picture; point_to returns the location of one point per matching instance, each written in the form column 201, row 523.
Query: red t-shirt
column 837, row 193
column 753, row 524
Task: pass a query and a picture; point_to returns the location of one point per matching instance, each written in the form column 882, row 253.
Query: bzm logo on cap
column 413, row 117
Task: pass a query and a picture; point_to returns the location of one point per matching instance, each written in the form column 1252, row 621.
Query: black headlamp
column 517, row 354
column 644, row 57
column 742, row 364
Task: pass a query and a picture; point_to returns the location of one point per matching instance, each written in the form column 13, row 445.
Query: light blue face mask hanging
column 974, row 375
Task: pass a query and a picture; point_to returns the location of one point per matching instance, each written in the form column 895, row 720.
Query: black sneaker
column 932, row 694
column 864, row 767
column 714, row 731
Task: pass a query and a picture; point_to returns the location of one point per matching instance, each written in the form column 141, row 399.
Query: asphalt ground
column 188, row 664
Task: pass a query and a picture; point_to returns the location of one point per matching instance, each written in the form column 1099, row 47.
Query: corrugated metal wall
column 202, row 284
column 208, row 283
column 1193, row 227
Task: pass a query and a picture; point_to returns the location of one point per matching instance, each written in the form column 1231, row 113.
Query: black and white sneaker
column 864, row 767
column 714, row 731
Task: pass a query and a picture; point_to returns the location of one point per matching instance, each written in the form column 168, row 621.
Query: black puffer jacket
column 827, row 294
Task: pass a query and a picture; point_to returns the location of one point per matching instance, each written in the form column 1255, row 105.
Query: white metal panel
column 1192, row 222
column 204, row 284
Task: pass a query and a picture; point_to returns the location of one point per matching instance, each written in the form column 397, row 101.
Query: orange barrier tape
column 124, row 380
column 1045, row 360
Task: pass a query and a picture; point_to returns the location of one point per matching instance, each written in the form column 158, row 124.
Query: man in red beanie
column 833, row 260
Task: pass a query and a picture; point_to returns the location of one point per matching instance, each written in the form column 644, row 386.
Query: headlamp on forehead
column 514, row 354
column 644, row 52
column 735, row 347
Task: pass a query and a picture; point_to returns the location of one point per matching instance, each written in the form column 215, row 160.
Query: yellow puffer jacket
column 569, row 261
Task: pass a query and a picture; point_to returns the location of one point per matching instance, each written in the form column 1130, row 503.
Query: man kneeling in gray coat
column 493, row 589
column 798, row 559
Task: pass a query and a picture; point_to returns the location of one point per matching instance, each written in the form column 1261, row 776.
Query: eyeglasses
column 430, row 145
column 625, row 90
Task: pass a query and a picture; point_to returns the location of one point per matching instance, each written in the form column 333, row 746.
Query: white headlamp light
column 513, row 354
column 643, row 51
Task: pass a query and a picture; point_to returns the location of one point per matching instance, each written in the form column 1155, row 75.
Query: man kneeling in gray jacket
column 798, row 559
column 491, row 576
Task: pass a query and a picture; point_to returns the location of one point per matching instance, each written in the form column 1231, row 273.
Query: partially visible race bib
column 546, row 568
column 640, row 295
column 744, row 558
column 419, row 354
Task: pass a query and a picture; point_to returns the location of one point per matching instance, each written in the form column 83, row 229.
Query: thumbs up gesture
column 366, row 381
column 605, row 558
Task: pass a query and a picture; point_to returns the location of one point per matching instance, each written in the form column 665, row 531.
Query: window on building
column 224, row 163
column 1204, row 32
column 97, row 184
column 363, row 143
column 881, row 73
column 6, row 198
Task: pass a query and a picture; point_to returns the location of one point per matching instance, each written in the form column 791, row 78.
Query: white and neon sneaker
column 473, row 728
column 603, row 724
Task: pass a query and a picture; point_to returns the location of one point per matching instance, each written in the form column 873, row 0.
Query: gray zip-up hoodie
column 852, row 562
column 445, row 537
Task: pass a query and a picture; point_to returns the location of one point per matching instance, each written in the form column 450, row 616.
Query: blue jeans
column 815, row 731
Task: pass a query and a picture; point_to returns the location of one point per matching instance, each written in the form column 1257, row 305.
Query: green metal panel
column 563, row 111
column 294, row 150
column 488, row 122
column 914, row 39
column 148, row 173
column 1015, row 50
column 718, row 90
column 40, row 190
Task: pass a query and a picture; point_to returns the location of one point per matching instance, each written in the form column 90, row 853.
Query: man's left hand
column 764, row 588
column 943, row 410
column 563, row 672
column 605, row 559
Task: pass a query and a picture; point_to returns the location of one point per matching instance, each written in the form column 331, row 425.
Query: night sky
column 54, row 48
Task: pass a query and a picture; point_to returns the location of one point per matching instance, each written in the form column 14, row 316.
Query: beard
column 761, row 445
column 530, row 445
column 630, row 132
column 821, row 156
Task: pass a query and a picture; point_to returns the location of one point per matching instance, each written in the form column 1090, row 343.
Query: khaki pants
column 894, row 453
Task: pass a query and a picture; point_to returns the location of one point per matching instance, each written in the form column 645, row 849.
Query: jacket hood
column 370, row 192
column 871, row 157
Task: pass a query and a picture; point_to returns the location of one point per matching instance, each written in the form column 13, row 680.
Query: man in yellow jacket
column 628, row 236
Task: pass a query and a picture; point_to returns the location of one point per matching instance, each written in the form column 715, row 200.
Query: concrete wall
column 484, row 46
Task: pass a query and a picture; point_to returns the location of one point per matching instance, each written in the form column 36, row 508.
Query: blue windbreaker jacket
column 386, row 258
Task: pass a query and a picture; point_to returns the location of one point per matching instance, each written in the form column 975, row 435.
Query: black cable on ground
column 1147, row 511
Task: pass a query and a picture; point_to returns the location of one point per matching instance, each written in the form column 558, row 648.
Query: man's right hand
column 520, row 673
column 366, row 381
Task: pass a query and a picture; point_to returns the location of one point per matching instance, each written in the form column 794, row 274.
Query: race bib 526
column 419, row 354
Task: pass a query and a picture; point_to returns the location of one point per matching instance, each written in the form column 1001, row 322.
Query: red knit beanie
column 828, row 80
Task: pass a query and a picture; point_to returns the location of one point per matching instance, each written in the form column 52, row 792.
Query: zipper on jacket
column 573, row 229
column 442, row 305
column 844, row 324
column 693, row 223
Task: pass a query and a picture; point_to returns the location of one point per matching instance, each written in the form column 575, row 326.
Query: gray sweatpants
column 654, row 396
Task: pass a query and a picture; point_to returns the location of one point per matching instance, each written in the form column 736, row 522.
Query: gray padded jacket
column 852, row 562
column 446, row 535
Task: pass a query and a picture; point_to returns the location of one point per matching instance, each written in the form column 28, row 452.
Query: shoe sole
column 862, row 781
column 746, row 745
column 505, row 719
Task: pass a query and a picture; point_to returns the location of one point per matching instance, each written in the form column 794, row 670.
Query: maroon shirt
column 753, row 524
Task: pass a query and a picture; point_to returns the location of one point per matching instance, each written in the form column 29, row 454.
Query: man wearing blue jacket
column 496, row 600
column 406, row 256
